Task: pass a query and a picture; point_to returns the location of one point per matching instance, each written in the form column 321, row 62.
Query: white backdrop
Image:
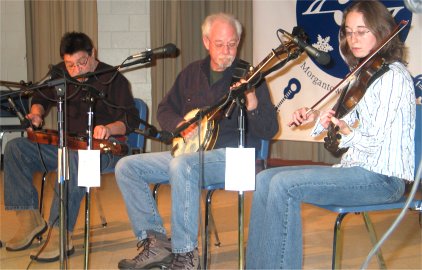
column 306, row 80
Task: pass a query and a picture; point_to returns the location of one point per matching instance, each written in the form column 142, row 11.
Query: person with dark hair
column 114, row 115
column 378, row 132
column 202, row 83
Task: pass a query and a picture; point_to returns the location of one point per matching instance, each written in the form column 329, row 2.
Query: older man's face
column 222, row 45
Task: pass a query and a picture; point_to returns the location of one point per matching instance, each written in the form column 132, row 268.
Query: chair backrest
column 264, row 150
column 135, row 140
column 418, row 136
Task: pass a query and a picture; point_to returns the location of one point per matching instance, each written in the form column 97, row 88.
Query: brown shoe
column 31, row 225
column 50, row 251
column 154, row 253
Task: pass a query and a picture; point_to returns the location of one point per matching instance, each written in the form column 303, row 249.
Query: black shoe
column 47, row 259
column 155, row 253
column 189, row 260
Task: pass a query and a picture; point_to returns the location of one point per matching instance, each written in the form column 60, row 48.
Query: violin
column 350, row 97
column 49, row 136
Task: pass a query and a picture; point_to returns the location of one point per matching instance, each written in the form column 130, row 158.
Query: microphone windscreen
column 170, row 48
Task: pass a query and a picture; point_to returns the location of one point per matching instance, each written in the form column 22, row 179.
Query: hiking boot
column 50, row 251
column 189, row 260
column 31, row 225
column 155, row 252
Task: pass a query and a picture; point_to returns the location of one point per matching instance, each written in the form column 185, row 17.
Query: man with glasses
column 202, row 83
column 114, row 113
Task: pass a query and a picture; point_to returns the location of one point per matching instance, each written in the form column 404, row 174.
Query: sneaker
column 154, row 253
column 189, row 260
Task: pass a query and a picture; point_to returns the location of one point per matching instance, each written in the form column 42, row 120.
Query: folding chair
column 364, row 209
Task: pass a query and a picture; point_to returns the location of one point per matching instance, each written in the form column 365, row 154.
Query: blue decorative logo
column 321, row 20
column 292, row 88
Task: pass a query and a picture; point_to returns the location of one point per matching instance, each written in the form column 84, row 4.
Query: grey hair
column 209, row 20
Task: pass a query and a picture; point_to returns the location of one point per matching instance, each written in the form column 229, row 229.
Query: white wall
column 13, row 66
column 12, row 41
column 123, row 30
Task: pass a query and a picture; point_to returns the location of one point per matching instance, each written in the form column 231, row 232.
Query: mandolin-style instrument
column 211, row 116
column 205, row 140
column 49, row 136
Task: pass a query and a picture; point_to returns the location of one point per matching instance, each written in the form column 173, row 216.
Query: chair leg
column 155, row 192
column 374, row 239
column 337, row 244
column 100, row 208
column 42, row 193
column 214, row 228
column 209, row 218
column 43, row 179
column 1, row 148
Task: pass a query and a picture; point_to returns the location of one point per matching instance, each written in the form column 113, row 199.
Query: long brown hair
column 381, row 23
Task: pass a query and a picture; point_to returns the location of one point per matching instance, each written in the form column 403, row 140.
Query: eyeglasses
column 219, row 45
column 359, row 33
column 81, row 63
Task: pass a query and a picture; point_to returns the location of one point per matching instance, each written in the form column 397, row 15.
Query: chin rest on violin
column 49, row 136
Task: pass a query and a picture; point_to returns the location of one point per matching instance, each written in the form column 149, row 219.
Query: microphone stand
column 240, row 101
column 91, row 101
column 62, row 172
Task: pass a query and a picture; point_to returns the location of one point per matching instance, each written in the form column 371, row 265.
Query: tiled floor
column 110, row 244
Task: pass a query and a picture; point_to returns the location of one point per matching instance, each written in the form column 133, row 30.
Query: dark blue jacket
column 192, row 90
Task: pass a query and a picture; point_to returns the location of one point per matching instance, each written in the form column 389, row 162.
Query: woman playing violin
column 378, row 132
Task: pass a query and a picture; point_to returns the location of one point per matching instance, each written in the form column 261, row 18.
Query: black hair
column 73, row 42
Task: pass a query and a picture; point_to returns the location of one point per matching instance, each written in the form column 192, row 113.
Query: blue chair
column 262, row 157
column 364, row 209
column 136, row 142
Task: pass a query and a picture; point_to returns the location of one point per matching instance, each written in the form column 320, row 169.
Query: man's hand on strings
column 36, row 120
column 251, row 99
column 36, row 116
column 101, row 132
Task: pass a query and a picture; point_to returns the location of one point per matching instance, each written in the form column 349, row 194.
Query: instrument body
column 50, row 136
column 205, row 140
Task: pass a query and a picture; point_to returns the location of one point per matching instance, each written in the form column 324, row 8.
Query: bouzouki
column 49, row 136
column 210, row 116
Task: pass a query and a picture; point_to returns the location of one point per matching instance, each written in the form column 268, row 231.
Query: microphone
column 24, row 121
column 153, row 133
column 167, row 49
column 321, row 57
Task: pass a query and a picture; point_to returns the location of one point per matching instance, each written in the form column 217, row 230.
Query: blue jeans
column 22, row 160
column 275, row 229
column 135, row 173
